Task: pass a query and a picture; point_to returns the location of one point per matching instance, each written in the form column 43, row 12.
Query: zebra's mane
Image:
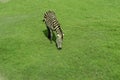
column 60, row 31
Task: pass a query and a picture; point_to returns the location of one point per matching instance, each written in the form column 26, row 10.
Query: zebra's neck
column 59, row 32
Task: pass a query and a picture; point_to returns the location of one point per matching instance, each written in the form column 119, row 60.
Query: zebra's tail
column 43, row 20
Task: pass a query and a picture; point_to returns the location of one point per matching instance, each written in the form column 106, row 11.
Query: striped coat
column 52, row 24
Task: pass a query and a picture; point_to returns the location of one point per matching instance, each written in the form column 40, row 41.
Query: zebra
column 52, row 24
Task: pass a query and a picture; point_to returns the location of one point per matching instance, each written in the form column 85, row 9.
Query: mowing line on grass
column 4, row 1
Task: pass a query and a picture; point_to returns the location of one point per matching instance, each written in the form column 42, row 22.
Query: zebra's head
column 59, row 41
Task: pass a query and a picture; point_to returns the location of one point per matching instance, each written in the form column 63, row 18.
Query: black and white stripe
column 51, row 20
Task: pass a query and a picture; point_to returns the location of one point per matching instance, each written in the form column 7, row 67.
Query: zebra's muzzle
column 59, row 47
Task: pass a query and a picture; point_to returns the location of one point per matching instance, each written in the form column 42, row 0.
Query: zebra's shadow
column 46, row 35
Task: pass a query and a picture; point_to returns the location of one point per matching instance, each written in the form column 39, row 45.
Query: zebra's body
column 53, row 25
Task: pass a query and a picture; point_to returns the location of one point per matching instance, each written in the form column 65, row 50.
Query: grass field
column 91, row 47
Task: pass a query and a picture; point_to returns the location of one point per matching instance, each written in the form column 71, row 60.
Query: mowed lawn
column 91, row 47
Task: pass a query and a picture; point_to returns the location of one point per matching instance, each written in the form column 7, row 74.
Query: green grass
column 91, row 47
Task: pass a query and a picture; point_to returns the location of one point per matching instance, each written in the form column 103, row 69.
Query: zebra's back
column 51, row 20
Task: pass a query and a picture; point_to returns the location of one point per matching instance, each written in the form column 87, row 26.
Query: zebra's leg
column 49, row 36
